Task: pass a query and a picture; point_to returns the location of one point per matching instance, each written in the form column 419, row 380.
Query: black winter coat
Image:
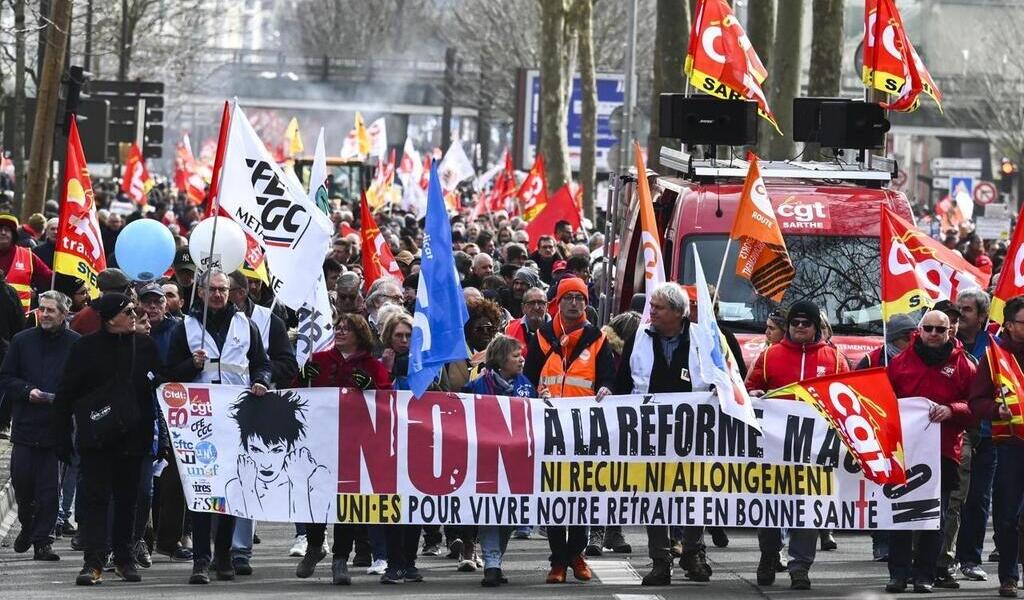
column 34, row 360
column 94, row 361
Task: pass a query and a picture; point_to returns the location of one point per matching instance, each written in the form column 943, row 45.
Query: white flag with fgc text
column 257, row 194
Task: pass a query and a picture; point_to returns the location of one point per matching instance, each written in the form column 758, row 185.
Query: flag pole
column 215, row 210
column 721, row 271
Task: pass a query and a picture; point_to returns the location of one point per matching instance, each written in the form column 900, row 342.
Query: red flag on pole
column 135, row 180
column 79, row 252
column 377, row 258
column 561, row 207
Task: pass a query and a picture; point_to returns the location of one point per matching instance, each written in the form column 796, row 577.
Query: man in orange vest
column 23, row 269
column 569, row 358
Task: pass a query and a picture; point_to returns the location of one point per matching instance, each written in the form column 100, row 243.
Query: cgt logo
column 199, row 399
column 796, row 214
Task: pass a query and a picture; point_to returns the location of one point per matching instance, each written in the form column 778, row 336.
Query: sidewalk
column 6, row 493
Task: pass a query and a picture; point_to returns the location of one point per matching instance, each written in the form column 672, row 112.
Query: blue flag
column 437, row 331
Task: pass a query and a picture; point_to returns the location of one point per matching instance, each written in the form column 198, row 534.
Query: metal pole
column 609, row 245
column 140, row 123
column 629, row 94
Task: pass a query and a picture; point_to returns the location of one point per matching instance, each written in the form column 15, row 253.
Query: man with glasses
column 937, row 368
column 569, row 358
column 535, row 315
column 802, row 354
column 227, row 351
column 545, row 257
column 989, row 402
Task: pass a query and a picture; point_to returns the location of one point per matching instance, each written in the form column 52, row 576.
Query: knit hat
column 110, row 305
column 805, row 309
column 529, row 277
column 571, row 284
column 112, row 280
column 10, row 221
column 898, row 326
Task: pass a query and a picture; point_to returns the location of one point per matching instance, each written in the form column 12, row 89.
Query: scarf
column 933, row 356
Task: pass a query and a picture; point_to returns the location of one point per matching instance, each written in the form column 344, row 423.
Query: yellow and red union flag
column 763, row 258
column 533, row 194
column 377, row 258
column 650, row 240
column 862, row 408
column 891, row 64
column 79, row 251
column 918, row 271
column 1008, row 380
column 1011, row 279
column 135, row 181
column 720, row 60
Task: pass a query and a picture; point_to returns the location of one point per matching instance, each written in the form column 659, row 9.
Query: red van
column 830, row 222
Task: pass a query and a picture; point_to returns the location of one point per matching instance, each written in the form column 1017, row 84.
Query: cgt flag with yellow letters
column 79, row 251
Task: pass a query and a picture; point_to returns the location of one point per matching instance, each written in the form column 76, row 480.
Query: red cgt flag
column 504, row 186
column 135, row 180
column 720, row 60
column 861, row 407
column 918, row 271
column 533, row 194
column 891, row 64
column 377, row 258
column 1011, row 279
column 1008, row 381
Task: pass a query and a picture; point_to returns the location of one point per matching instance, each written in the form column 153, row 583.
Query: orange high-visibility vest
column 574, row 379
column 19, row 276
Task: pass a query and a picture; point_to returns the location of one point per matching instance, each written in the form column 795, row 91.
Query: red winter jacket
column 788, row 362
column 359, row 370
column 946, row 383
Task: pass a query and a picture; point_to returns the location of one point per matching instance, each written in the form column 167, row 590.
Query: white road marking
column 616, row 572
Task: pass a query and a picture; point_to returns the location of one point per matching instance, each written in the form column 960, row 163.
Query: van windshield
column 839, row 274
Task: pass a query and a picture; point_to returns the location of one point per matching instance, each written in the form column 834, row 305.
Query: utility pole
column 448, row 92
column 629, row 94
column 88, row 35
column 122, row 64
column 47, row 97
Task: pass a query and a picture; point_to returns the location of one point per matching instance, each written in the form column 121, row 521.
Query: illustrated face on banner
column 270, row 458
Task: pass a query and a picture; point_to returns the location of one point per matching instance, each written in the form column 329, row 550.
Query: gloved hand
column 362, row 379
column 309, row 372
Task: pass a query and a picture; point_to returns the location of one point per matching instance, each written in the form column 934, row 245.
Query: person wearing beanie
column 108, row 372
column 108, row 281
column 898, row 330
column 523, row 279
column 23, row 270
column 217, row 331
column 802, row 354
column 570, row 358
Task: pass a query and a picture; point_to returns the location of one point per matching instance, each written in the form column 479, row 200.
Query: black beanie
column 109, row 305
column 806, row 310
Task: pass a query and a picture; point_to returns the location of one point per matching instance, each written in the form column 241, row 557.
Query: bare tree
column 46, row 109
column 584, row 15
column 18, row 137
column 558, row 50
column 826, row 56
column 671, row 38
column 761, row 31
column 785, row 75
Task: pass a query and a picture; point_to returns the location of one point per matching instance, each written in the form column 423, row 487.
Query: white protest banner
column 344, row 455
column 274, row 209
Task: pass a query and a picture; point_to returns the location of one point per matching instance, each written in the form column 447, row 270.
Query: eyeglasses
column 934, row 328
column 574, row 298
column 1016, row 322
column 129, row 310
column 801, row 323
column 535, row 303
column 219, row 290
column 484, row 327
column 547, row 247
column 342, row 328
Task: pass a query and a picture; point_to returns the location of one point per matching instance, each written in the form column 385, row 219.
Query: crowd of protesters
column 532, row 332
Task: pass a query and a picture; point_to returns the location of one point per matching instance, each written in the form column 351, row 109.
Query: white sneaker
column 326, row 547
column 377, row 568
column 299, row 547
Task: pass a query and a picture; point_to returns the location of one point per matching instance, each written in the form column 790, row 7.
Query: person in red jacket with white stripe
column 936, row 368
column 802, row 354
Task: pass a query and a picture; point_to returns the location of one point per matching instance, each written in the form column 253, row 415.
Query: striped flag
column 763, row 258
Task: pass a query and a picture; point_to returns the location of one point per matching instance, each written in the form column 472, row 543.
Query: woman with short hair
column 502, row 376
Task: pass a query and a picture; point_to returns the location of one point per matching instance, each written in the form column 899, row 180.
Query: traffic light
column 76, row 89
column 1008, row 171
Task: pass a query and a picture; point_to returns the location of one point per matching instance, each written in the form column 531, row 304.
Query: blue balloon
column 144, row 249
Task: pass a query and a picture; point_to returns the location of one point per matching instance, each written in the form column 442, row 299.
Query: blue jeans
column 493, row 543
column 377, row 535
column 145, row 502
column 974, row 517
column 1009, row 488
column 68, row 485
column 241, row 541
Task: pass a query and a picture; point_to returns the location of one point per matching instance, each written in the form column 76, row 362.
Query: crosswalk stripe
column 615, row 572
